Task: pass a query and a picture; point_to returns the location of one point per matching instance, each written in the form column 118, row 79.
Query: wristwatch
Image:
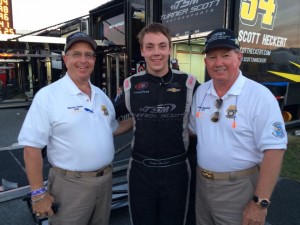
column 261, row 202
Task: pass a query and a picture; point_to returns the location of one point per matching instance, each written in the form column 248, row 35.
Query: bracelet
column 39, row 199
column 38, row 191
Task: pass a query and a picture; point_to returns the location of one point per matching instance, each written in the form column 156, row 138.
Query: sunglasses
column 216, row 115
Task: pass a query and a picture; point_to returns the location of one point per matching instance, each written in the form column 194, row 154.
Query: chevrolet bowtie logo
column 173, row 89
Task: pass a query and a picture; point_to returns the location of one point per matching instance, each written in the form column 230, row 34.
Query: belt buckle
column 207, row 174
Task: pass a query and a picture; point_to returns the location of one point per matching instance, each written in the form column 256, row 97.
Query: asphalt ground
column 284, row 208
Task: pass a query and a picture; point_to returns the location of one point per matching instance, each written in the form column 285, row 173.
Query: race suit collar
column 165, row 79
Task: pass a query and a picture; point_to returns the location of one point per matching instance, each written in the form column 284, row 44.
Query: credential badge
column 104, row 110
column 231, row 111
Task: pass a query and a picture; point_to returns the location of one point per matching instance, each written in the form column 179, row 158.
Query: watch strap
column 255, row 199
column 261, row 202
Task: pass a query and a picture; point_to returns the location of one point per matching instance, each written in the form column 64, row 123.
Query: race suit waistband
column 150, row 162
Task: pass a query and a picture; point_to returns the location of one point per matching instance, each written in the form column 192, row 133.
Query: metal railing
column 119, row 180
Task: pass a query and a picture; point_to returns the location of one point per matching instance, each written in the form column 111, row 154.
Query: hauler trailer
column 269, row 35
column 268, row 32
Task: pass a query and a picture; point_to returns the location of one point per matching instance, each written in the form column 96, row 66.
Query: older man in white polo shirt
column 76, row 121
column 241, row 139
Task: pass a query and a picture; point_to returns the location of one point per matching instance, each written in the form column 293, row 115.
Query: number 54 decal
column 258, row 11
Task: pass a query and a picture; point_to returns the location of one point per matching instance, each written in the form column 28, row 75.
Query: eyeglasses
column 216, row 115
column 78, row 55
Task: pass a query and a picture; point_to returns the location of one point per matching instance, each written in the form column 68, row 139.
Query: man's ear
column 241, row 57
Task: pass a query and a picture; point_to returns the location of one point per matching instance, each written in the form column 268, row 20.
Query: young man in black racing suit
column 159, row 101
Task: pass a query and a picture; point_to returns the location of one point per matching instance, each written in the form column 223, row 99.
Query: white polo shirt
column 250, row 122
column 78, row 131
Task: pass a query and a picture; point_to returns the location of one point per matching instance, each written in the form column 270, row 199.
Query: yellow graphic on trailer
column 293, row 77
column 267, row 36
column 251, row 9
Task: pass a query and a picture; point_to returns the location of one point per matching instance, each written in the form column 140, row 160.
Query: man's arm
column 268, row 175
column 269, row 171
column 34, row 167
column 34, row 170
column 124, row 126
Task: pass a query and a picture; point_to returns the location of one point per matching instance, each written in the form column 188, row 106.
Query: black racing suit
column 159, row 172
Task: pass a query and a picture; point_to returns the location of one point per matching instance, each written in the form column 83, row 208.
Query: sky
column 33, row 15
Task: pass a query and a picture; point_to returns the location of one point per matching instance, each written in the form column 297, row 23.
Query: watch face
column 264, row 203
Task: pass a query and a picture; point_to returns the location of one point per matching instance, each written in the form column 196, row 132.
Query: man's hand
column 253, row 215
column 43, row 206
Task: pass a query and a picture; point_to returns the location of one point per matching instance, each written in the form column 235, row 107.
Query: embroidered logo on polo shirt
column 75, row 109
column 278, row 130
column 201, row 111
column 104, row 110
column 231, row 111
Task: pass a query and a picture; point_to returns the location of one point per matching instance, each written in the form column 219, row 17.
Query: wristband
column 38, row 199
column 38, row 191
